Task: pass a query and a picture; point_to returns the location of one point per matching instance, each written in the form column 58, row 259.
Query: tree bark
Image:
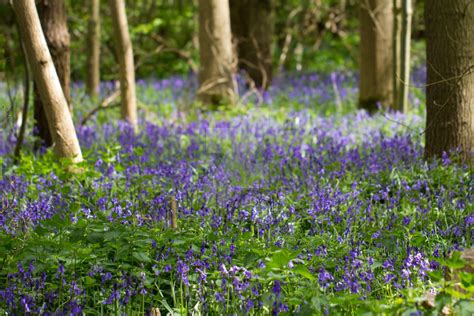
column 252, row 30
column 93, row 53
column 403, row 11
column 125, row 56
column 49, row 87
column 216, row 81
column 450, row 80
column 376, row 57
column 53, row 19
column 396, row 48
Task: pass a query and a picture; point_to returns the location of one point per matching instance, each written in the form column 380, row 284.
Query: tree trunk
column 396, row 48
column 93, row 50
column 49, row 87
column 53, row 19
column 450, row 86
column 216, row 81
column 401, row 61
column 252, row 30
column 125, row 56
column 376, row 57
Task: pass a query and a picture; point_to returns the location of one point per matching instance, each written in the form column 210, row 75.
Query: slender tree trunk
column 93, row 53
column 450, row 86
column 49, row 87
column 216, row 81
column 125, row 56
column 26, row 103
column 376, row 56
column 403, row 11
column 397, row 44
column 53, row 19
column 252, row 29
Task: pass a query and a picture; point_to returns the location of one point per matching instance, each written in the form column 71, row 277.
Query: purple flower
column 276, row 288
column 324, row 278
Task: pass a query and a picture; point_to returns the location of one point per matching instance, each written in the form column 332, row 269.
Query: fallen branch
column 106, row 103
column 174, row 213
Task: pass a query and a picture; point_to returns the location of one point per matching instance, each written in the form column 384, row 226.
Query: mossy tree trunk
column 376, row 54
column 93, row 50
column 216, row 80
column 403, row 12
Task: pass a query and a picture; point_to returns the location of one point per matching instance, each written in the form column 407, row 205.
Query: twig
column 252, row 89
column 336, row 92
column 165, row 47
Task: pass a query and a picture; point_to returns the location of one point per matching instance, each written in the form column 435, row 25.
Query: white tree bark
column 59, row 119
column 125, row 57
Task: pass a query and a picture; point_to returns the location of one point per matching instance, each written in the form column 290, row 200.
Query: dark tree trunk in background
column 252, row 30
column 53, row 19
column 450, row 86
column 376, row 55
column 93, row 50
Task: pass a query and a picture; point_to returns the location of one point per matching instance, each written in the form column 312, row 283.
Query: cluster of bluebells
column 27, row 292
column 333, row 190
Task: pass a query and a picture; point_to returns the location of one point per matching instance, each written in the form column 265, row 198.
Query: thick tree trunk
column 216, row 81
column 376, row 56
column 450, row 86
column 53, row 19
column 401, row 48
column 125, row 56
column 252, row 30
column 49, row 87
column 93, row 50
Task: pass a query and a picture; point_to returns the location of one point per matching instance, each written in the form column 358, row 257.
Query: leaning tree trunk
column 53, row 19
column 216, row 81
column 252, row 30
column 93, row 50
column 376, row 58
column 401, row 49
column 125, row 56
column 47, row 81
column 450, row 85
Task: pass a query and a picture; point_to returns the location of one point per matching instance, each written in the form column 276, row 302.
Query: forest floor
column 290, row 203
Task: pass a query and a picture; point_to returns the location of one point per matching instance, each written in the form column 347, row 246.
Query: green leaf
column 280, row 259
column 141, row 256
column 465, row 307
column 304, row 271
column 442, row 299
column 435, row 276
column 89, row 280
column 455, row 262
